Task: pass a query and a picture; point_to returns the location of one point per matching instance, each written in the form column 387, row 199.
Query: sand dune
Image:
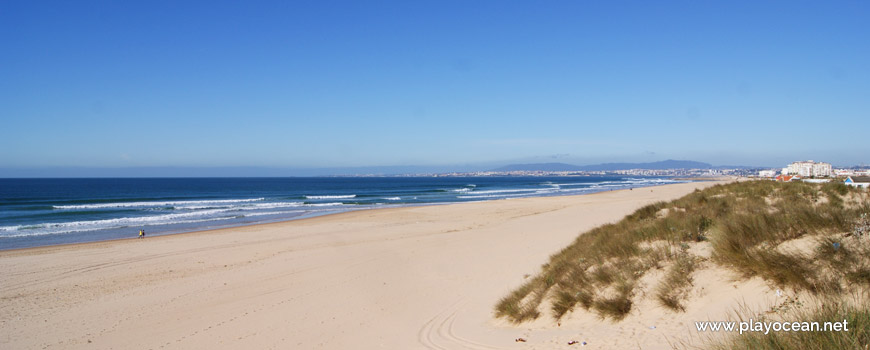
column 402, row 278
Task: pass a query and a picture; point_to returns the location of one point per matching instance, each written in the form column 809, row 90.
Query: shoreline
column 162, row 236
column 408, row 277
column 292, row 219
column 278, row 224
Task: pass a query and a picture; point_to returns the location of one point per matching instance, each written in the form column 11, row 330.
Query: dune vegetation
column 824, row 308
column 802, row 237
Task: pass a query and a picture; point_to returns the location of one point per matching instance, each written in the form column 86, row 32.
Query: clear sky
column 358, row 83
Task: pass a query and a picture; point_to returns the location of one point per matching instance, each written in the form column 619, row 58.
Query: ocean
column 39, row 212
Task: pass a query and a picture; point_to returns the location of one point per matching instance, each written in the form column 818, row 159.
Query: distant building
column 843, row 172
column 816, row 181
column 787, row 178
column 851, row 172
column 808, row 169
column 767, row 173
column 858, row 181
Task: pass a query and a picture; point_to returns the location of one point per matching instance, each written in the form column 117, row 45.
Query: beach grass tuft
column 855, row 313
column 675, row 286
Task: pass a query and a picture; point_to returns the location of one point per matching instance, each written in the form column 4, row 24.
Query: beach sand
column 399, row 278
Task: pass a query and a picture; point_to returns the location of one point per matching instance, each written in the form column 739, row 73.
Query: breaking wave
column 201, row 203
column 349, row 196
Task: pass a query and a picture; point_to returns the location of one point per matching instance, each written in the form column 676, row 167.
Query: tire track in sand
column 438, row 333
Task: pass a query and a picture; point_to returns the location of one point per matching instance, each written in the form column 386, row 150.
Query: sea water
column 37, row 212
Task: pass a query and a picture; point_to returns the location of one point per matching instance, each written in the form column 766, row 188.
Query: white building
column 851, row 172
column 858, row 181
column 843, row 172
column 809, row 169
column 767, row 173
column 816, row 181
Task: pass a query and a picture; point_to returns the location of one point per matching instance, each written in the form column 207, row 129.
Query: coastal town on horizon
column 796, row 170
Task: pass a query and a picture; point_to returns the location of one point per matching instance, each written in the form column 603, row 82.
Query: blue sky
column 340, row 84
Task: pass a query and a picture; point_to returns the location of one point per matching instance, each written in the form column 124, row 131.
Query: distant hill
column 665, row 164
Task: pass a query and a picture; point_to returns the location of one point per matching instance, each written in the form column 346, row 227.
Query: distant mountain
column 665, row 164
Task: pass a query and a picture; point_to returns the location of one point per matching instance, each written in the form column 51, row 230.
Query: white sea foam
column 575, row 189
column 194, row 207
column 200, row 203
column 494, row 196
column 274, row 213
column 638, row 180
column 572, row 191
column 332, row 197
column 464, row 189
column 191, row 214
column 524, row 193
column 47, row 229
column 324, row 204
column 392, row 198
column 505, row 191
column 259, row 206
column 242, row 206
column 92, row 225
column 578, row 183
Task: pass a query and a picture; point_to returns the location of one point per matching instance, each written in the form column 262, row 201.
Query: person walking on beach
column 141, row 233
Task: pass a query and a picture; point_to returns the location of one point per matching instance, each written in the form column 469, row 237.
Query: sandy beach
column 399, row 278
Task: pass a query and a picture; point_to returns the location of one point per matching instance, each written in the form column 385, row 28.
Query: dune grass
column 743, row 222
column 856, row 314
column 676, row 285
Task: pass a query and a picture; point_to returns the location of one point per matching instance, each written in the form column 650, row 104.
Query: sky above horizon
column 345, row 83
